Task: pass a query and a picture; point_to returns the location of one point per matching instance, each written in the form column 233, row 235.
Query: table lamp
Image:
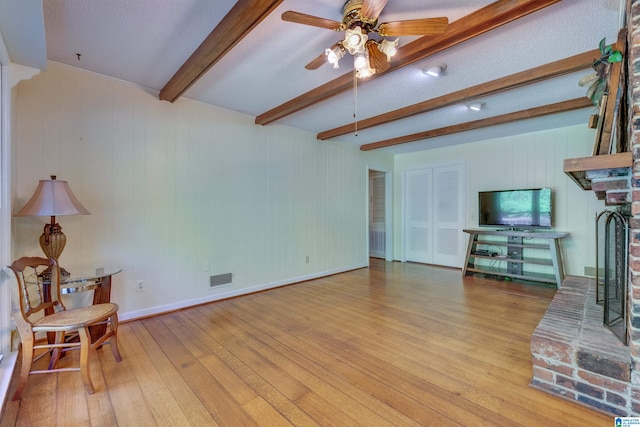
column 53, row 198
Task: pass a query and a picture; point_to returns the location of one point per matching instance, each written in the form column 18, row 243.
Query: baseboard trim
column 167, row 308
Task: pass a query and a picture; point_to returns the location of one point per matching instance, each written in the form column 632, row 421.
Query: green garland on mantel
column 597, row 82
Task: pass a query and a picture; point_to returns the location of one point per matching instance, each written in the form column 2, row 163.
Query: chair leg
column 55, row 353
column 113, row 341
column 27, row 359
column 85, row 347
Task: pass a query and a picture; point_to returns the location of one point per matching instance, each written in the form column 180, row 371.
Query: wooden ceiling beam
column 243, row 17
column 559, row 107
column 476, row 23
column 554, row 69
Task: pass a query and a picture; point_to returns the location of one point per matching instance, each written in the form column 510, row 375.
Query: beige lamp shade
column 53, row 198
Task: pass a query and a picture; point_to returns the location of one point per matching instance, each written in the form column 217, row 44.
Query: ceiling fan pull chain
column 355, row 102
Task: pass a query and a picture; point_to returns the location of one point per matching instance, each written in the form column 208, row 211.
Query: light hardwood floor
column 396, row 344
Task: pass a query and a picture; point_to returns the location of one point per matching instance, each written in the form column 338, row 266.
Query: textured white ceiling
column 146, row 41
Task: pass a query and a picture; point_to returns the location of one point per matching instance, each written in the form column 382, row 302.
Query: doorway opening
column 379, row 212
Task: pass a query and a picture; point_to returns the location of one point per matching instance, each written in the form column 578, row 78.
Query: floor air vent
column 220, row 279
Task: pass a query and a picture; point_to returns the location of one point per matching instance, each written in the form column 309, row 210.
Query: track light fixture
column 434, row 71
column 476, row 106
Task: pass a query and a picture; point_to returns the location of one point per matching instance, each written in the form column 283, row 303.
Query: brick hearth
column 576, row 357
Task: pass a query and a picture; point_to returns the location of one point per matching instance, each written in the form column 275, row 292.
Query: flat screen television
column 527, row 208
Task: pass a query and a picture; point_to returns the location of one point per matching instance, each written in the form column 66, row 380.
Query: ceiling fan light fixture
column 388, row 47
column 362, row 65
column 354, row 40
column 334, row 55
column 476, row 106
column 434, row 71
column 361, row 61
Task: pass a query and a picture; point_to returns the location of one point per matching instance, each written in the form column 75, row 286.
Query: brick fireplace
column 577, row 358
column 574, row 355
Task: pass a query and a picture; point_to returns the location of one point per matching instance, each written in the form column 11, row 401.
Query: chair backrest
column 35, row 295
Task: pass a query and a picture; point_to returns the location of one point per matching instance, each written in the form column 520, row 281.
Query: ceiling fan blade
column 302, row 18
column 371, row 9
column 317, row 62
column 414, row 27
column 377, row 59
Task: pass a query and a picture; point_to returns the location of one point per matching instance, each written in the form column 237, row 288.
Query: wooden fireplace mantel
column 583, row 169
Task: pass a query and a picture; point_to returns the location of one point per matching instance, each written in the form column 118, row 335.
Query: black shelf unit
column 512, row 249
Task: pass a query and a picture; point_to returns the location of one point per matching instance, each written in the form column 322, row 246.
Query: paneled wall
column 180, row 192
column 523, row 161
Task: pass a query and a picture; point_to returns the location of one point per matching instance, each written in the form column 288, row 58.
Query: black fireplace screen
column 612, row 242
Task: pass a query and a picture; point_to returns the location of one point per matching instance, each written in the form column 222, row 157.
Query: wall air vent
column 220, row 280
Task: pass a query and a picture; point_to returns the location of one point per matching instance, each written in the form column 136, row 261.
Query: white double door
column 434, row 215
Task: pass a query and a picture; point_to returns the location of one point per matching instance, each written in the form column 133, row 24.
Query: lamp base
column 52, row 242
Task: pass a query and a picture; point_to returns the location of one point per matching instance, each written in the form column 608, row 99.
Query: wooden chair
column 42, row 311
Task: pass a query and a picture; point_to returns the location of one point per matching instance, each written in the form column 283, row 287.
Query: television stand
column 515, row 254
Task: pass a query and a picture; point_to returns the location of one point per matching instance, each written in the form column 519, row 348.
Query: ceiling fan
column 359, row 21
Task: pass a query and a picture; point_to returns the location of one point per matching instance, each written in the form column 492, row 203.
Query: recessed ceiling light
column 477, row 106
column 435, row 70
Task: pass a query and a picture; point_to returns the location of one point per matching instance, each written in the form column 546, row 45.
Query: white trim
column 160, row 309
column 388, row 211
column 367, row 194
column 9, row 359
column 388, row 214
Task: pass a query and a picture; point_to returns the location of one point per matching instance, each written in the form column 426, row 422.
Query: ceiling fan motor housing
column 352, row 17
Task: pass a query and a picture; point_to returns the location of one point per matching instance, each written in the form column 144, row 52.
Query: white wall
column 379, row 160
column 523, row 161
column 175, row 187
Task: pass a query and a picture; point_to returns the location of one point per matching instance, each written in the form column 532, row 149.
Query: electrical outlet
column 307, row 259
column 140, row 286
